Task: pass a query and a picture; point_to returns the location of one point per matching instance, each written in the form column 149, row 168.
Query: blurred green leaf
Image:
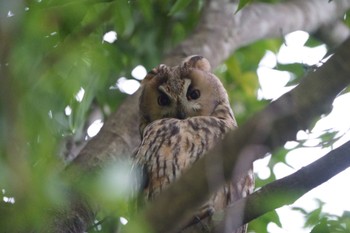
column 313, row 42
column 300, row 209
column 279, row 157
column 313, row 217
column 328, row 138
column 123, row 17
column 243, row 3
column 347, row 18
column 178, row 6
column 296, row 69
column 322, row 227
column 146, row 9
column 260, row 225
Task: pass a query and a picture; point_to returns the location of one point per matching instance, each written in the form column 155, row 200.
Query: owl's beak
column 181, row 115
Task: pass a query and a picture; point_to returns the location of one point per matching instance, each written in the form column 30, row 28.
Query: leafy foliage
column 239, row 76
column 57, row 67
column 323, row 222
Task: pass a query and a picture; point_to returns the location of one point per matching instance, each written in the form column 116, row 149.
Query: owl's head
column 183, row 91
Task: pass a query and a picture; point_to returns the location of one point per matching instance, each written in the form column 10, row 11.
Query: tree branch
column 264, row 132
column 333, row 34
column 286, row 190
column 221, row 32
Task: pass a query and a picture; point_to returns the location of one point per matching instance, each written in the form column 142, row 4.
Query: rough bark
column 219, row 33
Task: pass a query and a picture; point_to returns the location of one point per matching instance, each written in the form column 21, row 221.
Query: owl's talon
column 198, row 218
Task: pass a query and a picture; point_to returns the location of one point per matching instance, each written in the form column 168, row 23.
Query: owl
column 184, row 112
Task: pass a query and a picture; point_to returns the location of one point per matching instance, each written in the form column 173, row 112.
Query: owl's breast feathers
column 169, row 146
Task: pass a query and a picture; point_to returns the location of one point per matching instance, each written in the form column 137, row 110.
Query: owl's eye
column 163, row 100
column 193, row 94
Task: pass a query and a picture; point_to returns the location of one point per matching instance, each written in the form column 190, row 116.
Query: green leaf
column 260, row 225
column 347, row 19
column 296, row 68
column 312, row 42
column 279, row 157
column 322, row 227
column 179, row 5
column 313, row 217
column 275, row 218
column 243, row 3
column 303, row 211
column 146, row 9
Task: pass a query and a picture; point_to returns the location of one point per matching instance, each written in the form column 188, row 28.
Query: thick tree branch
column 286, row 190
column 266, row 131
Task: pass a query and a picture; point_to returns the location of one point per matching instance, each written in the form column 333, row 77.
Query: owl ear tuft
column 198, row 62
column 159, row 69
column 151, row 73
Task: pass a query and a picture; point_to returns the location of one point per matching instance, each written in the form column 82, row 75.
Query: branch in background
column 73, row 144
column 266, row 131
column 333, row 34
column 287, row 190
column 221, row 32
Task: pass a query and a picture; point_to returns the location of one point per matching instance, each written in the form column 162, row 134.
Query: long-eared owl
column 184, row 112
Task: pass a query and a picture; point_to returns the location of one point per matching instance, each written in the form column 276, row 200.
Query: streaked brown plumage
column 184, row 112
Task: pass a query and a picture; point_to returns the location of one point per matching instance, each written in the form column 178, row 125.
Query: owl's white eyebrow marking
column 196, row 107
column 186, row 85
column 163, row 89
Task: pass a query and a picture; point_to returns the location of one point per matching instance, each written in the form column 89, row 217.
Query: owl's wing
column 140, row 181
column 169, row 146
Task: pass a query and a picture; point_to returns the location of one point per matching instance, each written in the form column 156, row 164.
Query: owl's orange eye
column 193, row 94
column 163, row 100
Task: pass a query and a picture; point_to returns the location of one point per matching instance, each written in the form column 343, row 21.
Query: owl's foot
column 197, row 219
